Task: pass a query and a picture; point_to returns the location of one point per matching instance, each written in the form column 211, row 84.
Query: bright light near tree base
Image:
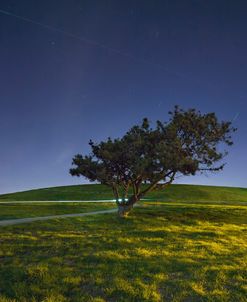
column 122, row 199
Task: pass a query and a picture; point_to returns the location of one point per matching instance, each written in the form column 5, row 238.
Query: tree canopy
column 190, row 142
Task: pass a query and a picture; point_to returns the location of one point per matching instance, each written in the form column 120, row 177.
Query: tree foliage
column 190, row 142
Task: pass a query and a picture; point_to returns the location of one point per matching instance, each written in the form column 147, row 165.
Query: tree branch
column 154, row 184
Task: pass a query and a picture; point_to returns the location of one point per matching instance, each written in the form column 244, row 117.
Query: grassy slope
column 96, row 192
column 174, row 252
column 165, row 252
column 14, row 210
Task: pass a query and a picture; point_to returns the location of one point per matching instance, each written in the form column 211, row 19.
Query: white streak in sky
column 105, row 47
column 235, row 117
column 94, row 43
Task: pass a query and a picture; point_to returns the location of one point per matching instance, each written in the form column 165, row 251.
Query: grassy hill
column 163, row 252
column 98, row 192
column 191, row 249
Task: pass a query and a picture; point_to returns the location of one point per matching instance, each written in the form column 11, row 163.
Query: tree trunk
column 125, row 207
column 123, row 210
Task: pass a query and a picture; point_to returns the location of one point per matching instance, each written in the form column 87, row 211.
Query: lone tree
column 188, row 143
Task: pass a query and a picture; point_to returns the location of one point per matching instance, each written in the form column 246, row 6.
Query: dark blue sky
column 109, row 64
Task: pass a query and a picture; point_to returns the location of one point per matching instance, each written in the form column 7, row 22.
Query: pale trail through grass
column 29, row 209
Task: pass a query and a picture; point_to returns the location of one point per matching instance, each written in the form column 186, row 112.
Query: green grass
column 97, row 192
column 23, row 210
column 165, row 252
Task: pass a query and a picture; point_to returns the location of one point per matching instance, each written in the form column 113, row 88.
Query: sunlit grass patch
column 159, row 253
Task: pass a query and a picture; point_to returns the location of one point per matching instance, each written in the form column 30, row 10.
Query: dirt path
column 27, row 220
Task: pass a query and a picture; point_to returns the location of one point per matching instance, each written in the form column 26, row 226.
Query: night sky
column 71, row 70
